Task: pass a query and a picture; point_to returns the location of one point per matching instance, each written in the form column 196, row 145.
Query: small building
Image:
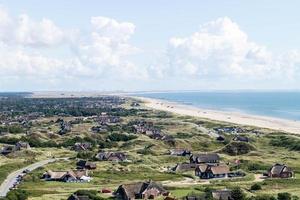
column 205, row 158
column 140, row 190
column 240, row 138
column 280, row 171
column 82, row 146
column 182, row 167
column 224, row 194
column 67, row 176
column 205, row 171
column 22, row 145
column 111, row 156
column 179, row 152
column 83, row 164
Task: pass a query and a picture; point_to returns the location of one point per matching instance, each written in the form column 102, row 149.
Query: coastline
column 272, row 123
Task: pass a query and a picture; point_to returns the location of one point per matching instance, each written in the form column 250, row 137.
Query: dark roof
column 241, row 138
column 134, row 189
column 206, row 158
column 279, row 168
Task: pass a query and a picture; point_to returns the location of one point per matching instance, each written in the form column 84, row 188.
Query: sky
column 135, row 45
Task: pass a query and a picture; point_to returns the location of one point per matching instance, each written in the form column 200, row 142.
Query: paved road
column 12, row 178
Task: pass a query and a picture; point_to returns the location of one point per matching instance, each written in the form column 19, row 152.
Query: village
column 113, row 147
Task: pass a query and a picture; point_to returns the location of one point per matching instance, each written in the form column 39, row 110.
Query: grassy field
column 154, row 164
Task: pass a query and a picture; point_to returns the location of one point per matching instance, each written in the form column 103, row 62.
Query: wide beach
column 232, row 117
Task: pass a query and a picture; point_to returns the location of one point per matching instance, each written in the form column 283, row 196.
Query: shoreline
column 272, row 123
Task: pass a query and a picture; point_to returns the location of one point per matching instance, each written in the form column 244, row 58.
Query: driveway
column 11, row 179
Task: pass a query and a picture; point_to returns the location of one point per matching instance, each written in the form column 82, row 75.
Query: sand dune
column 232, row 117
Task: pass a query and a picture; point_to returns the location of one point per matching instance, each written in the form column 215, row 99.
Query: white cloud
column 103, row 52
column 219, row 48
column 24, row 31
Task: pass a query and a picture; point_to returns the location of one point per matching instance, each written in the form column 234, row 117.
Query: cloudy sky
column 149, row 45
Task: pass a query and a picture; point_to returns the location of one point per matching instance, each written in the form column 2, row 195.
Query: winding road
column 11, row 179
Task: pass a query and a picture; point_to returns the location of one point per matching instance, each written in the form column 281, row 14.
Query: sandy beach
column 232, row 117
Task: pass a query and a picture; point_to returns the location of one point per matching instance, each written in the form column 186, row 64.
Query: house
column 7, row 150
column 22, row 145
column 111, row 156
column 205, row 158
column 181, row 167
column 82, row 146
column 83, row 164
column 78, row 197
column 140, row 190
column 241, row 138
column 224, row 194
column 17, row 147
column 179, row 152
column 67, row 176
column 280, row 171
column 220, row 138
column 205, row 171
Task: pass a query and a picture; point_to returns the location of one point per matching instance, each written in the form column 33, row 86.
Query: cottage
column 179, row 152
column 205, row 171
column 111, row 156
column 67, row 176
column 22, row 145
column 224, row 194
column 181, row 167
column 83, row 164
column 241, row 138
column 205, row 158
column 7, row 150
column 82, row 146
column 140, row 190
column 280, row 171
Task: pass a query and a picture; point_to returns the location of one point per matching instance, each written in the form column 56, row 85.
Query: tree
column 237, row 194
column 284, row 196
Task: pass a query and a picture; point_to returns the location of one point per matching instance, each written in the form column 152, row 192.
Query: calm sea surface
column 275, row 104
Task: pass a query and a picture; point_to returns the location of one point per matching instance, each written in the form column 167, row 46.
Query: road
column 12, row 177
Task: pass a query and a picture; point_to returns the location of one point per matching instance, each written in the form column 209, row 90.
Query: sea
column 285, row 105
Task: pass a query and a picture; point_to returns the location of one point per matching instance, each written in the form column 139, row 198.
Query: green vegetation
column 291, row 143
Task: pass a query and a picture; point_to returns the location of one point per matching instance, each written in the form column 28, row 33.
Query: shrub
column 237, row 194
column 117, row 137
column 237, row 148
column 16, row 195
column 284, row 196
column 255, row 186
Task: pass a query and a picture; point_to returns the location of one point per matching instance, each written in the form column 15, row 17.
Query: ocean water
column 274, row 104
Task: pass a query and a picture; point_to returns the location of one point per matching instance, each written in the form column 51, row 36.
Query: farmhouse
column 111, row 156
column 280, row 171
column 82, row 146
column 205, row 171
column 140, row 190
column 181, row 167
column 83, row 164
column 205, row 158
column 241, row 138
column 67, row 176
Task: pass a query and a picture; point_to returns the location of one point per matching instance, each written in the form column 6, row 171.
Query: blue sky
column 164, row 45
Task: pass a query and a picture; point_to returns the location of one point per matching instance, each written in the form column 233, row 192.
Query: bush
column 92, row 194
column 117, row 137
column 85, row 155
column 237, row 148
column 256, row 186
column 16, row 195
column 237, row 194
column 284, row 196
